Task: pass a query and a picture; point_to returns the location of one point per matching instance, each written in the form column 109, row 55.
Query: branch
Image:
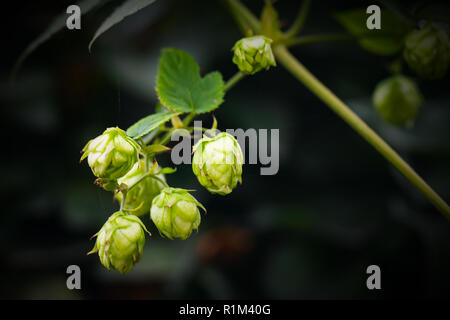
column 243, row 16
column 300, row 20
column 342, row 110
column 316, row 39
column 233, row 80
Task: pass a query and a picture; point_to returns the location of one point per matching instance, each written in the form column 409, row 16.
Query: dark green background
column 335, row 207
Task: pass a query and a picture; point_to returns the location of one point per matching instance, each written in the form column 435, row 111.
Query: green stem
column 300, row 20
column 188, row 119
column 233, row 80
column 339, row 107
column 166, row 138
column 243, row 16
column 124, row 199
column 159, row 179
column 148, row 174
column 316, row 39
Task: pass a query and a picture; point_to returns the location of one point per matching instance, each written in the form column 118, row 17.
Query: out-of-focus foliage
column 385, row 41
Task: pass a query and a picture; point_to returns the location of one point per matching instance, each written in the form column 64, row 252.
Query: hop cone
column 397, row 100
column 141, row 196
column 175, row 213
column 217, row 163
column 111, row 155
column 427, row 52
column 120, row 242
column 253, row 54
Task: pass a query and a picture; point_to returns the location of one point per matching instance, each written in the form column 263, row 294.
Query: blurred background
column 334, row 208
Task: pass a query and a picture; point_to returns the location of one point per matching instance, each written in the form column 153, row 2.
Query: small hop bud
column 120, row 242
column 427, row 52
column 175, row 213
column 141, row 196
column 110, row 156
column 397, row 99
column 253, row 54
column 217, row 163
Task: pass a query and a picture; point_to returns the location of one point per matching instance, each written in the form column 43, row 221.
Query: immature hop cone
column 427, row 52
column 253, row 54
column 111, row 155
column 397, row 100
column 217, row 163
column 141, row 196
column 120, row 242
column 175, row 213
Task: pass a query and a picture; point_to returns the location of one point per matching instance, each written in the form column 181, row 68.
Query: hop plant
column 120, row 242
column 110, row 156
column 253, row 54
column 175, row 213
column 217, row 163
column 141, row 196
column 397, row 99
column 427, row 52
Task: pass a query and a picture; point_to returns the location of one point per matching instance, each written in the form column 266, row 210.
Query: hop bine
column 397, row 99
column 140, row 197
column 110, row 156
column 253, row 54
column 175, row 213
column 217, row 163
column 120, row 242
column 427, row 52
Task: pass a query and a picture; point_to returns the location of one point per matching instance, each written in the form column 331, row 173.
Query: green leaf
column 180, row 87
column 147, row 124
column 160, row 108
column 385, row 41
column 166, row 171
column 58, row 24
column 126, row 9
column 155, row 148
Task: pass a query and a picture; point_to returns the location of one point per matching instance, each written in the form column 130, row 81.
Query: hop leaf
column 175, row 213
column 217, row 163
column 397, row 99
column 253, row 54
column 120, row 242
column 180, row 87
column 427, row 52
column 111, row 155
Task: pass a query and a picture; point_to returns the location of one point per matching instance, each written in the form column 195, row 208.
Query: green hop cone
column 427, row 52
column 110, row 156
column 253, row 54
column 175, row 213
column 397, row 99
column 120, row 242
column 217, row 163
column 140, row 197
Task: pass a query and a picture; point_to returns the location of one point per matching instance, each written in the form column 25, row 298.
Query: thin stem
column 316, row 39
column 243, row 16
column 176, row 122
column 300, row 20
column 124, row 199
column 233, row 80
column 188, row 119
column 339, row 107
column 167, row 137
column 159, row 179
column 145, row 176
